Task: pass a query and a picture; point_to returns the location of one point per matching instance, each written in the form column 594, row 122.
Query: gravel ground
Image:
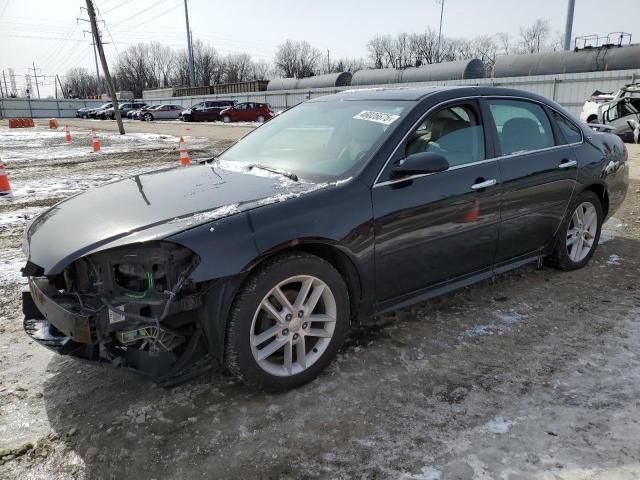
column 534, row 375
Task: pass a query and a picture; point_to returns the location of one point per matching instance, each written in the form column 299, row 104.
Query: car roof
column 419, row 93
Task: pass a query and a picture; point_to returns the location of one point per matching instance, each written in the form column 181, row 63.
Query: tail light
column 626, row 152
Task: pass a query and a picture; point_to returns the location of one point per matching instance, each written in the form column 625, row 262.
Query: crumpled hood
column 147, row 207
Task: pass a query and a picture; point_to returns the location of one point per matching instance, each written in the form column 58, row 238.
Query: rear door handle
column 567, row 164
column 485, row 184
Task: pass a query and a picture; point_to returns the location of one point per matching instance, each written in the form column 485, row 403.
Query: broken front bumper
column 43, row 301
column 55, row 322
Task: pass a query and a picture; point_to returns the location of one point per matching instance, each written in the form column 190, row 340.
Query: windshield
column 320, row 140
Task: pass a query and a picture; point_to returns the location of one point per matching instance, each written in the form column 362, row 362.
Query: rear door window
column 522, row 126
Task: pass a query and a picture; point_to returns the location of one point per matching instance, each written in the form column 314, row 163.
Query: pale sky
column 46, row 31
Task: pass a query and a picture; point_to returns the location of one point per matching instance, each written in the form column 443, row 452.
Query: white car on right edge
column 621, row 111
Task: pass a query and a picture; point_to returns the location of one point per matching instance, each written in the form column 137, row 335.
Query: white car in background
column 620, row 111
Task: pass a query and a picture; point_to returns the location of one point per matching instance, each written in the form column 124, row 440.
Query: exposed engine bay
column 129, row 306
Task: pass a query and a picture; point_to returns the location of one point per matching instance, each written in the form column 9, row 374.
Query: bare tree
column 161, row 63
column 260, row 70
column 133, row 69
column 505, row 40
column 533, row 39
column 376, row 48
column 79, row 83
column 297, row 59
column 237, row 68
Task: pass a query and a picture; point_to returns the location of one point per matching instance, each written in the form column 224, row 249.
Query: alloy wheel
column 293, row 325
column 582, row 230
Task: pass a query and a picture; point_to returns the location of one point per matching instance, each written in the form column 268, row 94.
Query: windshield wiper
column 290, row 175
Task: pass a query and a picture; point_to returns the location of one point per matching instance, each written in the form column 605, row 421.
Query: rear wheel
column 260, row 119
column 578, row 236
column 592, row 119
column 287, row 322
column 226, row 118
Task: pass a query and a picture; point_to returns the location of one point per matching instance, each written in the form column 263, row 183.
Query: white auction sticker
column 378, row 117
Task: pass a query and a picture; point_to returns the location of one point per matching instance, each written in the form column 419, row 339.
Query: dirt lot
column 535, row 375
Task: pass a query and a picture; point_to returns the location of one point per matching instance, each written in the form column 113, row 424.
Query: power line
column 158, row 2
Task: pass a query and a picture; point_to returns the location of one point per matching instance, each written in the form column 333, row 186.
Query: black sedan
column 339, row 209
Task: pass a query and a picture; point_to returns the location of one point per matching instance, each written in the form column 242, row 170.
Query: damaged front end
column 126, row 307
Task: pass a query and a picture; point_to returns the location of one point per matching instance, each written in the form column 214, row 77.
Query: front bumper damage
column 102, row 313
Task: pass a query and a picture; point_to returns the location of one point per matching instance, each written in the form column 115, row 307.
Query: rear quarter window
column 570, row 132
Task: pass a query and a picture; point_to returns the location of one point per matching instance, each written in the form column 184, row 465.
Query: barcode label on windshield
column 378, row 117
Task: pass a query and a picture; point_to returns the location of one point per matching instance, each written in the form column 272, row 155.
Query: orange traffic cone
column 5, row 188
column 96, row 142
column 53, row 123
column 184, row 155
column 67, row 133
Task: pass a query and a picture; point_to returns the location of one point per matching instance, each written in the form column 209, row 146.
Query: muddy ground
column 534, row 375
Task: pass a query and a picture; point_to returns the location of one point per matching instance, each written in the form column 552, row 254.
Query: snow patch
column 497, row 425
column 208, row 216
column 11, row 262
column 614, row 260
column 427, row 473
column 506, row 320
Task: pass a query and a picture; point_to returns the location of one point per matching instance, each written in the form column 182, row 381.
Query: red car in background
column 247, row 112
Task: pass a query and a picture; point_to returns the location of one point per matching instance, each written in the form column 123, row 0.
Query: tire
column 226, row 119
column 248, row 319
column 147, row 117
column 592, row 119
column 567, row 257
column 260, row 119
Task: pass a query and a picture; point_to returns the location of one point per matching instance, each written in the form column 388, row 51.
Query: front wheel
column 287, row 322
column 260, row 119
column 578, row 236
column 148, row 117
column 226, row 118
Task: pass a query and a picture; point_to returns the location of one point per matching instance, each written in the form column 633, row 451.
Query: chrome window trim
column 477, row 97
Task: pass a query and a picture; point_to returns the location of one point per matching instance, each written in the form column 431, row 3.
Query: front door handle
column 483, row 185
column 567, row 164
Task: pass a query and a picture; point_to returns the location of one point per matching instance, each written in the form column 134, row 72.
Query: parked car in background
column 162, row 112
column 340, row 209
column 247, row 112
column 97, row 110
column 124, row 109
column 83, row 112
column 135, row 114
column 620, row 111
column 207, row 111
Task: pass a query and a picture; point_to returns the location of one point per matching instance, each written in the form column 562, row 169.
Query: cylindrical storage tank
column 458, row 70
column 341, row 79
column 548, row 63
column 282, row 84
column 376, row 77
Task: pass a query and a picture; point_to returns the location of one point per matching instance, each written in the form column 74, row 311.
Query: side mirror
column 420, row 163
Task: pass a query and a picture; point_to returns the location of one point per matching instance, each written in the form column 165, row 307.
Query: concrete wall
column 30, row 108
column 569, row 89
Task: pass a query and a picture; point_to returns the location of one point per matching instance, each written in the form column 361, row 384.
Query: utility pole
column 192, row 75
column 105, row 68
column 60, row 83
column 569, row 25
column 95, row 57
column 440, row 30
column 35, row 75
